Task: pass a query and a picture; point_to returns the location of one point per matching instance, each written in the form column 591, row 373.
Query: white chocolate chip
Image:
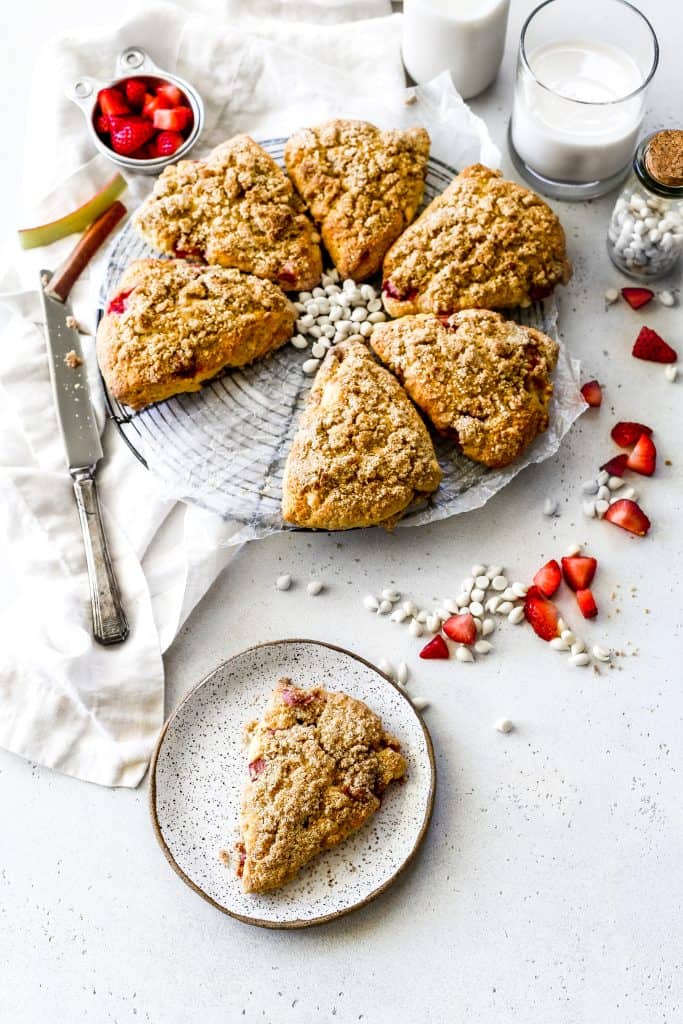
column 578, row 647
column 283, row 582
column 402, row 673
column 385, row 667
column 314, row 587
column 391, row 595
column 573, row 549
column 611, row 295
column 399, row 615
column 589, row 486
column 371, row 603
column 384, row 607
column 410, row 607
column 566, row 634
column 483, row 647
column 494, row 570
column 420, row 704
column 298, row 341
column 310, row 366
column 671, row 372
column 580, row 660
column 520, row 589
column 516, row 615
column 477, row 595
column 558, row 644
column 504, row 725
column 464, row 654
column 499, row 582
column 482, row 582
column 476, row 608
column 492, row 604
column 601, row 653
column 487, row 627
column 477, row 570
column 504, row 608
column 415, row 627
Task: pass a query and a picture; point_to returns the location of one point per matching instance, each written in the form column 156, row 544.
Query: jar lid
column 664, row 158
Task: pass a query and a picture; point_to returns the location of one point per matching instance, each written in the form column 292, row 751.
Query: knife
column 83, row 451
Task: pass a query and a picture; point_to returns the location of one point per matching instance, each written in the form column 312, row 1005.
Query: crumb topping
column 72, row 360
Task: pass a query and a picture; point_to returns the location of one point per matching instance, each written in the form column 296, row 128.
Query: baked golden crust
column 173, row 325
column 318, row 765
column 484, row 243
column 482, row 380
column 237, row 209
column 363, row 186
column 361, row 454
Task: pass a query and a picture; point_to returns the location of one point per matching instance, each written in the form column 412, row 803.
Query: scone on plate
column 319, row 763
column 172, row 325
column 361, row 455
column 236, row 208
column 484, row 243
column 363, row 186
column 482, row 380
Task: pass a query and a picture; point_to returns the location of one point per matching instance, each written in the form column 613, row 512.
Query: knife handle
column 110, row 625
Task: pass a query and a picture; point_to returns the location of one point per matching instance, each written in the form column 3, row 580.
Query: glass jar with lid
column 645, row 234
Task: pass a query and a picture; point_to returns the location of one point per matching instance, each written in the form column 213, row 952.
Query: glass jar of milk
column 465, row 37
column 645, row 234
column 582, row 74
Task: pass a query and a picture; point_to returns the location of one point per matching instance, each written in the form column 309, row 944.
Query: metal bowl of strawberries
column 145, row 117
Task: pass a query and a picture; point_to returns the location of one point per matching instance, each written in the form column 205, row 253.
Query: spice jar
column 645, row 235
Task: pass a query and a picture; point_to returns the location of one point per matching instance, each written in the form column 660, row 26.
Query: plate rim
column 298, row 922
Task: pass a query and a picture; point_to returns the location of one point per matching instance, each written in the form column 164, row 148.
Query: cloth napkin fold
column 94, row 712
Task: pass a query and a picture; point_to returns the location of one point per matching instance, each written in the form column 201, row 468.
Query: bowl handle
column 134, row 60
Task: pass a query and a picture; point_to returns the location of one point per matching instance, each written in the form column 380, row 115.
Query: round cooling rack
column 224, row 447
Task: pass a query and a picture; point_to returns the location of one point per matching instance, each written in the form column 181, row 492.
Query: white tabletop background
column 548, row 889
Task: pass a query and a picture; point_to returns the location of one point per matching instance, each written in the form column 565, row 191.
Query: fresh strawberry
column 129, row 134
column 579, row 570
column 649, row 345
column 436, row 648
column 102, row 124
column 626, row 434
column 592, row 392
column 136, row 92
column 112, row 102
column 548, row 578
column 586, row 602
column 172, row 93
column 461, row 628
column 616, row 465
column 153, row 103
column 175, row 120
column 637, row 297
column 166, row 143
column 541, row 613
column 629, row 516
column 643, row 458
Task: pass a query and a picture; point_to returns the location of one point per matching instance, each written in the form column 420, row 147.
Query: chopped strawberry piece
column 177, row 119
column 153, row 103
column 102, row 124
column 118, row 303
column 616, row 465
column 112, row 102
column 256, row 767
column 435, row 648
column 649, row 345
column 287, row 275
column 629, row 516
column 166, row 143
column 135, row 92
column 592, row 392
column 643, row 458
column 586, row 603
column 548, row 578
column 541, row 613
column 172, row 93
column 461, row 628
column 637, row 297
column 579, row 570
column 129, row 134
column 626, row 434
column 293, row 697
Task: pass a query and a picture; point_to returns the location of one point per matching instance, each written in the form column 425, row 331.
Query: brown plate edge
column 259, row 922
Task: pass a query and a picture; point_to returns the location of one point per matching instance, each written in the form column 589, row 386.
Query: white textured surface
column 548, row 890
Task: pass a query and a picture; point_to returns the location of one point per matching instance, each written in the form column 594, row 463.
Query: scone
column 172, row 325
column 482, row 380
column 484, row 243
column 318, row 765
column 361, row 454
column 363, row 186
column 236, row 208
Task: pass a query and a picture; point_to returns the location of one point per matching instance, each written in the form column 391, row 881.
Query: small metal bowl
column 135, row 63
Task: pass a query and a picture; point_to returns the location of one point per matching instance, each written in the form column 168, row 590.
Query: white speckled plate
column 199, row 768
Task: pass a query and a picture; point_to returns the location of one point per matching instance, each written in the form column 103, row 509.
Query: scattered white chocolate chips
column 333, row 313
column 504, row 725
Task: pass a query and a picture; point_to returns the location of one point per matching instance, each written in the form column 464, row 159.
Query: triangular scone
column 318, row 765
column 236, row 208
column 361, row 454
column 363, row 186
column 484, row 243
column 482, row 380
column 172, row 325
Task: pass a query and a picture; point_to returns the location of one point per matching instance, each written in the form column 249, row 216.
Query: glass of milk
column 465, row 37
column 582, row 74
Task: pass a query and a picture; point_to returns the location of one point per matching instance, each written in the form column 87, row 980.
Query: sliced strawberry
column 172, row 93
column 548, row 578
column 118, row 303
column 177, row 119
column 579, row 570
column 541, row 613
column 637, row 297
column 136, row 92
column 629, row 516
column 153, row 103
column 616, row 465
column 102, row 124
column 461, row 628
column 643, row 458
column 112, row 102
column 166, row 143
column 129, row 134
column 626, row 434
column 586, row 602
column 436, row 648
column 649, row 345
column 592, row 392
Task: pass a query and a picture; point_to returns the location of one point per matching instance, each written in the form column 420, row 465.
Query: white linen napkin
column 94, row 712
